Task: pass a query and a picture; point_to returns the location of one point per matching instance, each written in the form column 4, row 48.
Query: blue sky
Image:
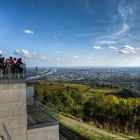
column 71, row 32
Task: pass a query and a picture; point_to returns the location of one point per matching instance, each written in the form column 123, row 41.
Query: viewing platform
column 21, row 116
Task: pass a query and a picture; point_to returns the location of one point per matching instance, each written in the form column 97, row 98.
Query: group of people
column 11, row 66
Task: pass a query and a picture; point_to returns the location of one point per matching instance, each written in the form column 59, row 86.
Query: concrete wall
column 13, row 111
column 44, row 133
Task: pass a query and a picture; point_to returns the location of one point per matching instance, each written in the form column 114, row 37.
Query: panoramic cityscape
column 127, row 77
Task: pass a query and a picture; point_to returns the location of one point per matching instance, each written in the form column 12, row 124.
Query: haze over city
column 71, row 32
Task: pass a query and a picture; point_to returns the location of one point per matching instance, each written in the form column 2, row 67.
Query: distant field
column 89, row 91
column 104, row 90
column 89, row 131
column 80, row 87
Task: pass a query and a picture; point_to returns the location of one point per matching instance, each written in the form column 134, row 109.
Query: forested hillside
column 106, row 107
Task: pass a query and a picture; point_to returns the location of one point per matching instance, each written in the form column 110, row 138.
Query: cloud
column 114, row 37
column 103, row 42
column 122, row 23
column 113, row 48
column 123, row 30
column 42, row 57
column 26, row 54
column 126, row 49
column 57, row 59
column 90, row 9
column 23, row 53
column 76, row 56
column 90, row 58
column 96, row 47
column 125, row 11
column 28, row 31
column 1, row 52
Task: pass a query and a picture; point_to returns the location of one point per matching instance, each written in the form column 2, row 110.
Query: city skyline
column 71, row 32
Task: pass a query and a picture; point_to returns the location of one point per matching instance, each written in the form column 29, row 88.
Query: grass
column 89, row 131
column 80, row 87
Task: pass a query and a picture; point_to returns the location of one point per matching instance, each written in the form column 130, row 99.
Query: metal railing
column 13, row 73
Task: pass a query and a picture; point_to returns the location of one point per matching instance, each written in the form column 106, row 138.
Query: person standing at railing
column 14, row 67
column 6, row 68
column 9, row 67
column 19, row 65
column 2, row 66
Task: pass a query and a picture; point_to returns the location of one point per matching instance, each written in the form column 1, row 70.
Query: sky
column 71, row 32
